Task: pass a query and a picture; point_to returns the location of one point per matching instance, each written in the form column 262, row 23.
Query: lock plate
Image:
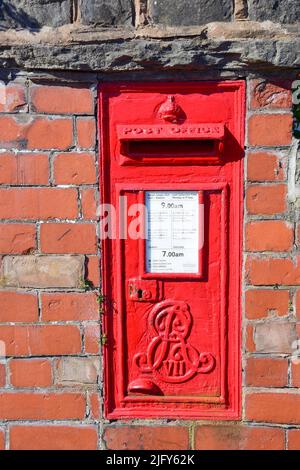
column 141, row 290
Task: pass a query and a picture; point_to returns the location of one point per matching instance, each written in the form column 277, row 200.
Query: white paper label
column 172, row 230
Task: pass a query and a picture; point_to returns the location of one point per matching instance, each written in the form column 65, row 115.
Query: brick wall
column 50, row 268
column 271, row 270
column 50, row 370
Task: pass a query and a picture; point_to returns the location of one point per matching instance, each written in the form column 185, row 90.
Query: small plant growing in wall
column 104, row 339
column 101, row 301
column 86, row 284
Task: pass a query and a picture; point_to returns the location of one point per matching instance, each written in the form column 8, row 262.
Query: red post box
column 171, row 168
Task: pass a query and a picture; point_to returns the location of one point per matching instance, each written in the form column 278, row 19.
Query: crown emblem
column 170, row 111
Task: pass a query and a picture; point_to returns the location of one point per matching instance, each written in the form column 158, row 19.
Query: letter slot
column 165, row 144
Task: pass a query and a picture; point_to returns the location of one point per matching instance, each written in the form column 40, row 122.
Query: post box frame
column 113, row 327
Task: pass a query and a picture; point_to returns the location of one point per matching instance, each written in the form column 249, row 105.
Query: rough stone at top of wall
column 185, row 13
column 278, row 11
column 33, row 14
column 107, row 12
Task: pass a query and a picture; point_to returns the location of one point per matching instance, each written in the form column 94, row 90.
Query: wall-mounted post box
column 171, row 168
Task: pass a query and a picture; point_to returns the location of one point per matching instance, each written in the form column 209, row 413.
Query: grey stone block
column 42, row 271
column 123, row 50
column 279, row 11
column 107, row 12
column 33, row 14
column 275, row 337
column 185, row 13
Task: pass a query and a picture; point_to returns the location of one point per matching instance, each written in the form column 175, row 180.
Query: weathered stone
column 240, row 9
column 275, row 337
column 42, row 271
column 245, row 29
column 80, row 370
column 107, row 12
column 284, row 11
column 182, row 12
column 149, row 50
column 141, row 13
column 33, row 14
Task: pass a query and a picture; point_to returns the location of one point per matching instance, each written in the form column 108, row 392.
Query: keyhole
column 140, row 293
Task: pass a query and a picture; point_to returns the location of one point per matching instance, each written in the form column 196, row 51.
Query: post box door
column 171, row 170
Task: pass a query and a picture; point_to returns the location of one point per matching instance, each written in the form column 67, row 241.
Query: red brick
column 38, row 203
column 293, row 439
column 17, row 238
column 146, row 437
column 13, row 98
column 272, row 271
column 266, row 372
column 269, row 235
column 12, row 133
column 89, row 204
column 270, row 129
column 95, row 412
column 2, row 439
column 267, row 200
column 262, row 303
column 40, row 340
column 18, row 307
column 93, row 270
column 265, row 166
column 24, row 168
column 92, row 338
column 30, row 373
column 69, row 306
column 68, row 238
column 75, row 168
column 296, row 372
column 86, row 132
column 270, row 95
column 273, row 407
column 2, row 376
column 37, row 133
column 250, row 345
column 53, row 438
column 25, row 405
column 50, row 134
column 238, row 437
column 61, row 100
